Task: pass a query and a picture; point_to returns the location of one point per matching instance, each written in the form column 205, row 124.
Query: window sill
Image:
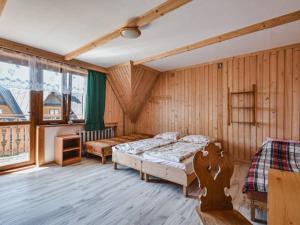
column 61, row 125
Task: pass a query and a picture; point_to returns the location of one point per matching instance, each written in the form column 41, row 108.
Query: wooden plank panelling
column 113, row 110
column 132, row 85
column 194, row 100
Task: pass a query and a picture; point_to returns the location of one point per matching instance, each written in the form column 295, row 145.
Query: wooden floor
column 91, row 193
column 9, row 160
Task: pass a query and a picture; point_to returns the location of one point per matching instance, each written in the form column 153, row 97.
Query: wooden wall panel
column 194, row 100
column 113, row 110
column 132, row 85
column 120, row 80
column 142, row 80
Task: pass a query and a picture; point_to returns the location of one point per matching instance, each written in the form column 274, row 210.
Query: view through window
column 14, row 92
column 78, row 97
column 52, row 95
column 14, row 107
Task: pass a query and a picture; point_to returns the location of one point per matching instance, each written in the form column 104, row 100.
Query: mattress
column 138, row 147
column 175, row 152
column 186, row 165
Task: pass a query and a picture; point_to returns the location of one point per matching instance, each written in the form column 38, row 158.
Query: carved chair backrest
column 213, row 169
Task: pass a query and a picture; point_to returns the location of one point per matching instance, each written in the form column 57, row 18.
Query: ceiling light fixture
column 130, row 32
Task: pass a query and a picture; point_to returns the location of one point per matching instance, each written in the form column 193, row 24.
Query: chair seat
column 225, row 217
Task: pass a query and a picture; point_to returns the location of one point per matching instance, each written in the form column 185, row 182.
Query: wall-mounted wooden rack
column 232, row 107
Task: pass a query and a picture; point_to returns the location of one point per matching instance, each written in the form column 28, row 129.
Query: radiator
column 85, row 136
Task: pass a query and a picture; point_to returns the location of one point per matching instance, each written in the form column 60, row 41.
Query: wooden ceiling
column 132, row 85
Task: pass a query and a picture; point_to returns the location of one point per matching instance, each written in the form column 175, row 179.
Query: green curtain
column 95, row 101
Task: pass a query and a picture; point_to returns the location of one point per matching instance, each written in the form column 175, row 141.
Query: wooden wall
column 132, row 86
column 194, row 100
column 115, row 114
column 113, row 110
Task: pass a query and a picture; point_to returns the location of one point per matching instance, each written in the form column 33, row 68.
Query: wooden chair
column 214, row 170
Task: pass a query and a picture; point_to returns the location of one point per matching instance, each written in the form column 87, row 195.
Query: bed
column 276, row 154
column 165, row 163
column 130, row 154
column 103, row 147
column 168, row 159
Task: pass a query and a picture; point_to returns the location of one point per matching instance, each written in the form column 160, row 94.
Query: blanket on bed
column 138, row 147
column 276, row 154
column 176, row 152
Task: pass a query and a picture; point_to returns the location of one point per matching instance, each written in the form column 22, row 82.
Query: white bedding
column 186, row 165
column 138, row 147
column 176, row 152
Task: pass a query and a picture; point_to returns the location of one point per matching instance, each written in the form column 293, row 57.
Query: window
column 14, row 92
column 15, row 96
column 78, row 83
column 52, row 95
column 54, row 112
column 57, row 90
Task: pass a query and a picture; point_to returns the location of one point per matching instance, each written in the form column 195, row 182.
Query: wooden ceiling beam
column 2, row 5
column 93, row 44
column 7, row 44
column 277, row 21
column 142, row 20
column 159, row 11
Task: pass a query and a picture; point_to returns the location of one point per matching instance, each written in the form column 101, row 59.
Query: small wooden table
column 283, row 197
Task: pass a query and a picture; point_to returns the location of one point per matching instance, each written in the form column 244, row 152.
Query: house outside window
column 52, row 95
column 14, row 92
column 78, row 95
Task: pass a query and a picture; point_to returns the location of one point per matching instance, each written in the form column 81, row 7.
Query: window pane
column 14, row 92
column 78, row 97
column 52, row 95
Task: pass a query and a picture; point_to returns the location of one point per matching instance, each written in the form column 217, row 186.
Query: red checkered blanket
column 276, row 154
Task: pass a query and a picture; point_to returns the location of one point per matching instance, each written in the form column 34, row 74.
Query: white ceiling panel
column 63, row 25
column 267, row 39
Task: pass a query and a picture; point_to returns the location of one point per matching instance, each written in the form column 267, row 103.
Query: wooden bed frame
column 128, row 160
column 258, row 200
column 146, row 168
column 169, row 173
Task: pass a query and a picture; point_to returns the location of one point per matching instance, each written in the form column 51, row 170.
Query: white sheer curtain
column 10, row 75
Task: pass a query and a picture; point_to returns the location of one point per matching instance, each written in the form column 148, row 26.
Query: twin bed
column 276, row 154
column 163, row 156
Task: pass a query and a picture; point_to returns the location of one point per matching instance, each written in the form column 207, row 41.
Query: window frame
column 36, row 97
column 70, row 98
column 66, row 104
column 32, row 122
column 41, row 119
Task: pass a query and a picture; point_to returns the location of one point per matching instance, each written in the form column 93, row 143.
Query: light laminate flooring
column 92, row 193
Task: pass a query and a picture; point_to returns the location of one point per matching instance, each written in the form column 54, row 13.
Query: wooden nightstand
column 67, row 149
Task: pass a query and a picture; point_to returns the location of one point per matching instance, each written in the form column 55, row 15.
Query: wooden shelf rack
column 251, row 108
column 67, row 149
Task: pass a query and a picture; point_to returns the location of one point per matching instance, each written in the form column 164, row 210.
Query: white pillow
column 168, row 135
column 197, row 139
